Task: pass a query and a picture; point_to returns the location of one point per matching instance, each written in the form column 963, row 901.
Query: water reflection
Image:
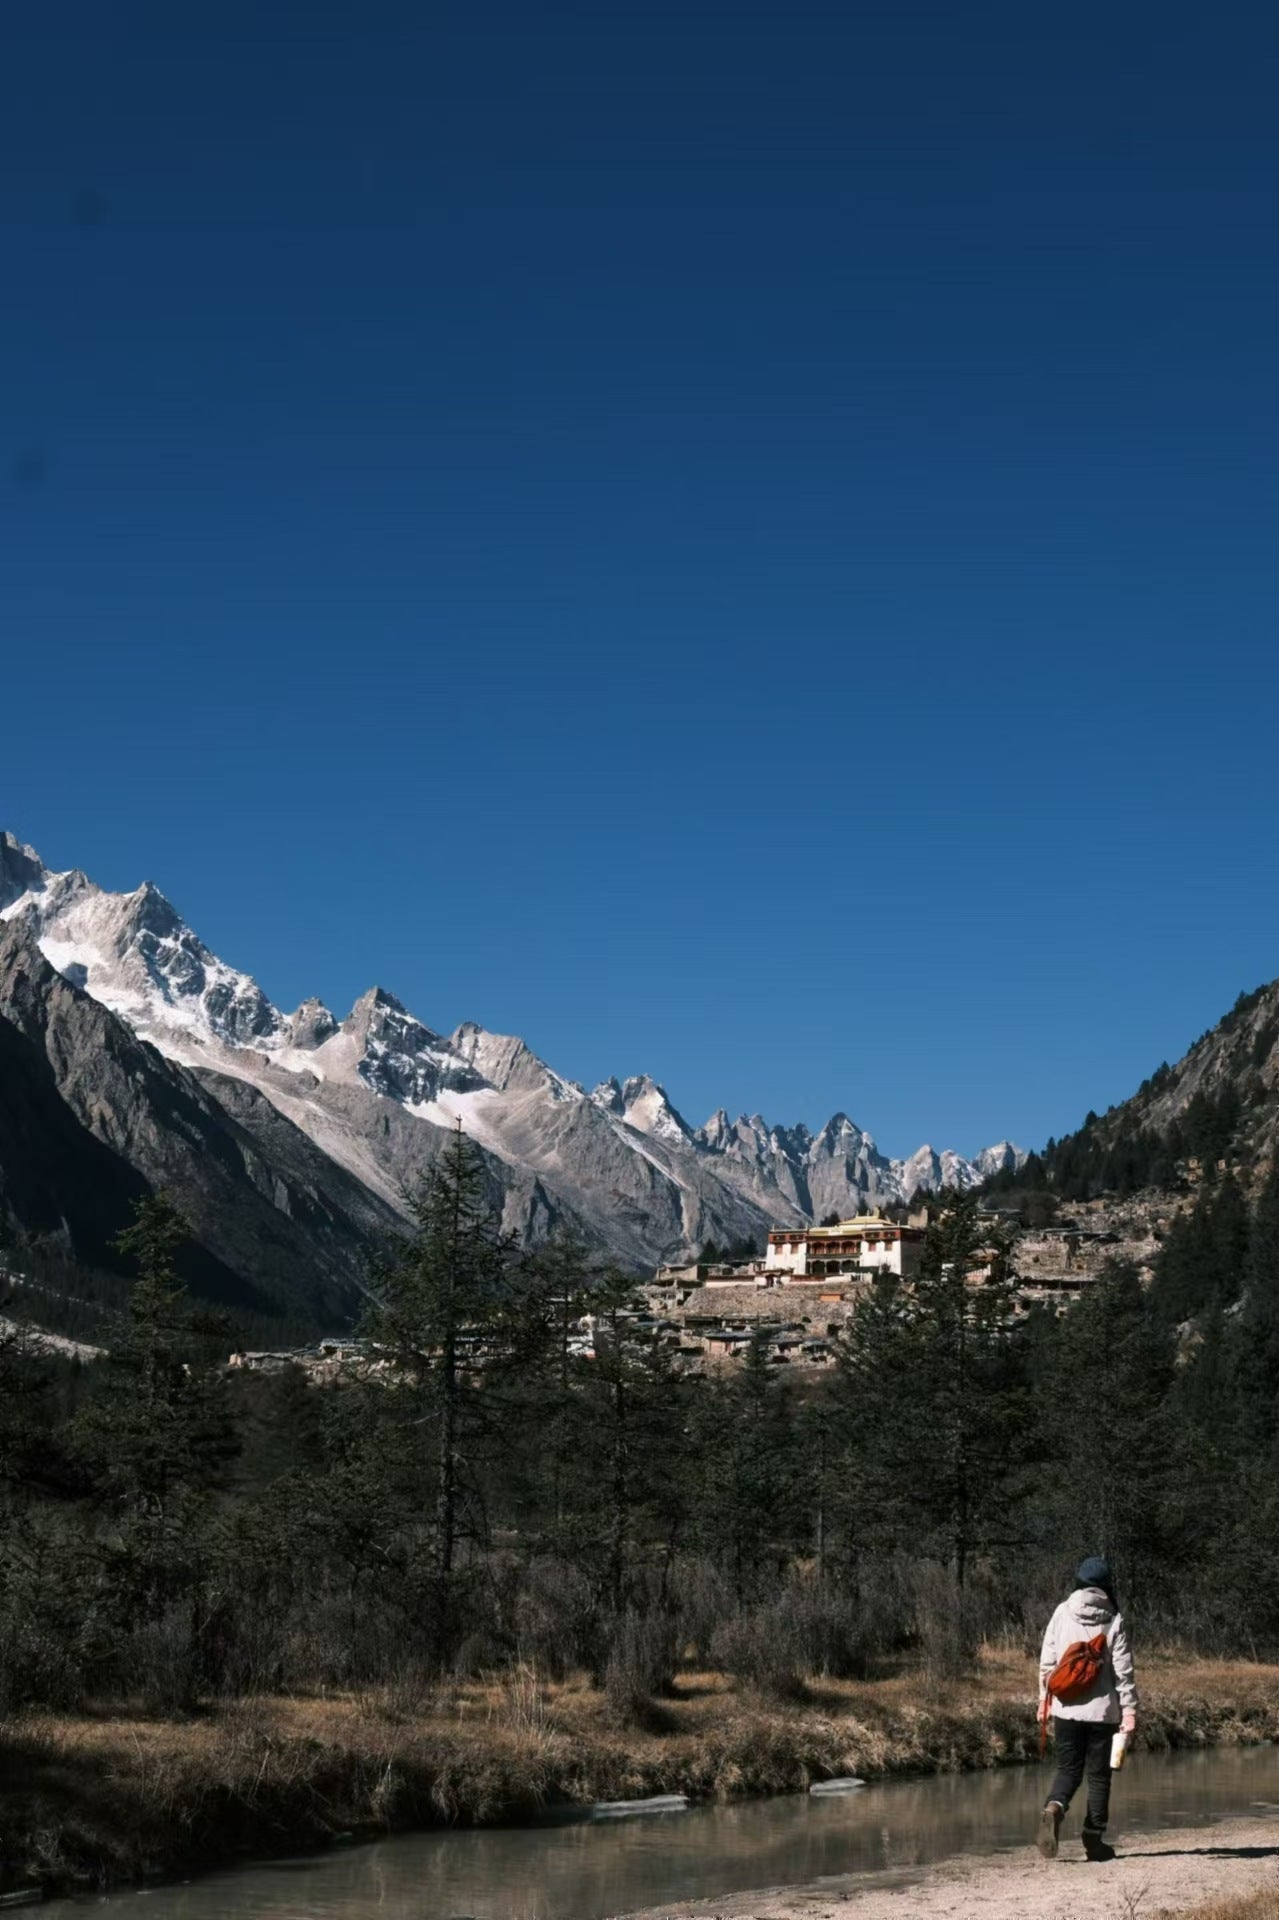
column 584, row 1872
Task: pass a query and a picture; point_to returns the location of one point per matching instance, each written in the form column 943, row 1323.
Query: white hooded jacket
column 1082, row 1617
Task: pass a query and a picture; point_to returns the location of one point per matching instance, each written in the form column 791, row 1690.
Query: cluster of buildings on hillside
column 807, row 1282
column 856, row 1249
column 794, row 1298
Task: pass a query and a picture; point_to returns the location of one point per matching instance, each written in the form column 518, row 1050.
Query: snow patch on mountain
column 622, row 1161
column 1003, row 1157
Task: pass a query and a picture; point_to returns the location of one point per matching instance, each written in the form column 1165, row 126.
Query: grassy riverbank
column 107, row 1797
column 1249, row 1906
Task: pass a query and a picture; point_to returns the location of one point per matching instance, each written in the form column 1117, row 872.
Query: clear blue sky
column 736, row 541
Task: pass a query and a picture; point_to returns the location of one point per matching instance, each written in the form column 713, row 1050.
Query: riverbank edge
column 104, row 1802
column 1156, row 1876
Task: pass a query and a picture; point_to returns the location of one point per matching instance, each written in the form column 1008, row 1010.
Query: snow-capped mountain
column 379, row 1091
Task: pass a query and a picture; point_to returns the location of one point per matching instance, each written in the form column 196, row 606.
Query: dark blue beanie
column 1094, row 1573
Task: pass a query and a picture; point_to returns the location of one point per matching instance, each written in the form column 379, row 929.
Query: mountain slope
column 378, row 1092
column 91, row 1117
column 1238, row 1059
column 1218, row 1104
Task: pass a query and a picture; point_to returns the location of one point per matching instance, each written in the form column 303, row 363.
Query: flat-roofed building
column 866, row 1244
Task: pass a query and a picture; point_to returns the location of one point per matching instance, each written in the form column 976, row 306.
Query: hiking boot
column 1049, row 1828
column 1096, row 1845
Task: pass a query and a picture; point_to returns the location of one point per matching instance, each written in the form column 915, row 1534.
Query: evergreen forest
column 481, row 1494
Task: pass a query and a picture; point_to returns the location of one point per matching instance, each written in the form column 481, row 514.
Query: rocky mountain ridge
column 1230, row 1076
column 91, row 1118
column 378, row 1092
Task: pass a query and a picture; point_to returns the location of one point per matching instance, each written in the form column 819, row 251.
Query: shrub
column 640, row 1664
column 556, row 1620
column 702, row 1600
column 808, row 1631
column 950, row 1621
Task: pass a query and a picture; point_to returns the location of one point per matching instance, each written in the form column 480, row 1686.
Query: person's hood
column 1093, row 1609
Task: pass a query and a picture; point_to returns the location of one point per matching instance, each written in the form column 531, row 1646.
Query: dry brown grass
column 1245, row 1906
column 103, row 1797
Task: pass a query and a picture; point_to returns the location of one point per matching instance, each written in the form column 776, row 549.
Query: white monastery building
column 865, row 1244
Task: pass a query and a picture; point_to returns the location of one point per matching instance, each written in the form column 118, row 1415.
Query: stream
column 584, row 1870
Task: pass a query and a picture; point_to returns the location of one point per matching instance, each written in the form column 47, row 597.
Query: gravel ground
column 1155, row 1874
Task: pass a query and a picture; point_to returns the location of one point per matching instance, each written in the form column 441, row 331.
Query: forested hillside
column 1219, row 1106
column 482, row 1493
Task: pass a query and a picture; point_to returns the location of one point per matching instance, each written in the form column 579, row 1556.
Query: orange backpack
column 1074, row 1676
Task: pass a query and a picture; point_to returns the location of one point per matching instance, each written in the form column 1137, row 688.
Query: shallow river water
column 585, row 1870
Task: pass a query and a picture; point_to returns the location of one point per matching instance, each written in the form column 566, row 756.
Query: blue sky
column 738, row 542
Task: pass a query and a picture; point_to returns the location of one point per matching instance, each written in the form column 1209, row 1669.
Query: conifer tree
column 871, row 1428
column 627, row 1485
column 24, row 1383
column 1258, row 1371
column 558, row 1285
column 1109, row 1435
column 1184, row 1268
column 440, row 1324
column 933, row 1392
column 974, row 1399
column 157, row 1429
column 1229, row 1233
column 155, row 1433
column 750, row 1469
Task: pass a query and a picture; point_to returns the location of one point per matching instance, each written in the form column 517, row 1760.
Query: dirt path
column 1155, row 1873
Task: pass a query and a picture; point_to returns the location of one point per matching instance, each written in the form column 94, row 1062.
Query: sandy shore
column 1155, row 1873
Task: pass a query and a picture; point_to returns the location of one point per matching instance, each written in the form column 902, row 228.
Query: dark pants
column 1083, row 1747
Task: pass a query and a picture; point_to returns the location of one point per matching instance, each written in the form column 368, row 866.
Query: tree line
column 1119, row 1154
column 487, row 1489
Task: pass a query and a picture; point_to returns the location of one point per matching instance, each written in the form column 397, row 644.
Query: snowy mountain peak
column 372, row 1002
column 842, row 1135
column 312, row 1025
column 620, row 1164
column 378, row 1016
column 608, row 1095
column 504, row 1061
column 146, row 910
column 134, row 953
column 22, row 872
column 1002, row 1157
column 923, row 1169
column 715, row 1134
column 647, row 1108
column 396, row 1055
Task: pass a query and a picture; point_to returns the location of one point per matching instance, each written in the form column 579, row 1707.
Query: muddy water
column 584, row 1871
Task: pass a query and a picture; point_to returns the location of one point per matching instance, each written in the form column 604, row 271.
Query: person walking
column 1093, row 1697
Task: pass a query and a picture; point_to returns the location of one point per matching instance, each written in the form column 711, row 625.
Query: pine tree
column 1184, row 1269
column 872, row 1430
column 973, row 1395
column 1229, row 1229
column 156, row 1434
column 934, row 1399
column 159, row 1425
column 1258, row 1370
column 558, row 1285
column 441, row 1323
column 1109, row 1435
column 24, row 1391
column 749, row 1468
column 627, row 1489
